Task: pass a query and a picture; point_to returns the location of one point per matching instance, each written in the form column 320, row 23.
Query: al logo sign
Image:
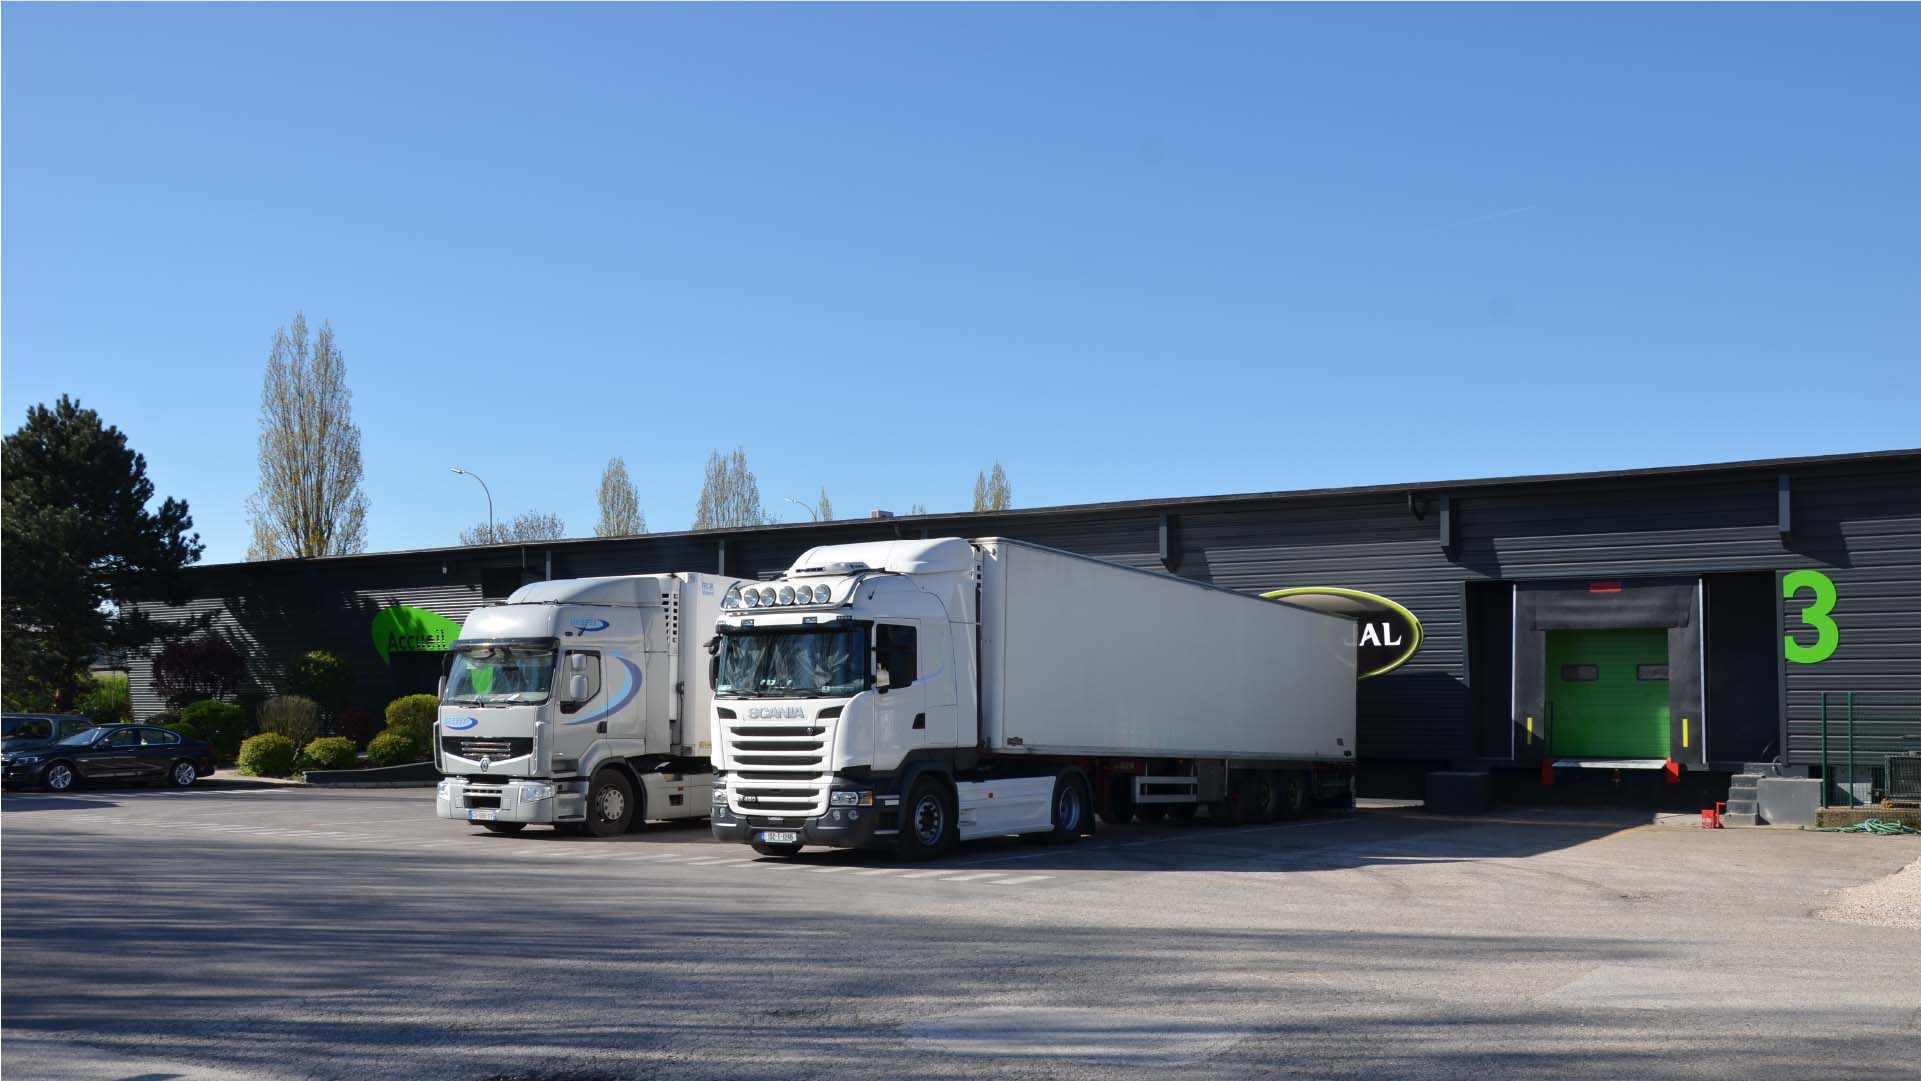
column 1389, row 633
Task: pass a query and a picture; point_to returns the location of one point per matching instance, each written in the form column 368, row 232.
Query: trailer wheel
column 927, row 826
column 610, row 804
column 1121, row 808
column 1071, row 809
column 1296, row 796
column 1267, row 797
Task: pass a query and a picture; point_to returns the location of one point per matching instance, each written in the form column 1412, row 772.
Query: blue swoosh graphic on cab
column 459, row 724
column 630, row 674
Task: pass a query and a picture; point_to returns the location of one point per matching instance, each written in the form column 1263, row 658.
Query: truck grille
column 778, row 768
column 497, row 748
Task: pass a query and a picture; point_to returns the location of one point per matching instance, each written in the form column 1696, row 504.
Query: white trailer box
column 1085, row 657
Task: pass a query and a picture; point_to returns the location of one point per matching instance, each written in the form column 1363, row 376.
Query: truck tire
column 1071, row 808
column 927, row 820
column 1120, row 801
column 1265, row 797
column 610, row 803
column 504, row 827
column 783, row 851
column 1296, row 796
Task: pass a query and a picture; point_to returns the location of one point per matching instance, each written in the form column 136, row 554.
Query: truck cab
column 572, row 705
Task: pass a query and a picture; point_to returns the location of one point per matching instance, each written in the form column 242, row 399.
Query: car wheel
column 183, row 774
column 782, row 851
column 927, row 821
column 610, row 804
column 504, row 827
column 1070, row 812
column 60, row 777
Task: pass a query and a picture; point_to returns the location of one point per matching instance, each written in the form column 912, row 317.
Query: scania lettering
column 931, row 691
column 582, row 704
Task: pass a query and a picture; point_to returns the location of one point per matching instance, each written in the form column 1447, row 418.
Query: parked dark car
column 24, row 730
column 115, row 752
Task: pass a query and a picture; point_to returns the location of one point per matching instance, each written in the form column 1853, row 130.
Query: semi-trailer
column 911, row 694
column 582, row 704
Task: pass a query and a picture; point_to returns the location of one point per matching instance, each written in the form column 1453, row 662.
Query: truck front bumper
column 524, row 800
column 839, row 827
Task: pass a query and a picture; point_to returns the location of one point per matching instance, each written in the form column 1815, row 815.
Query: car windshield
column 499, row 675
column 83, row 737
column 811, row 663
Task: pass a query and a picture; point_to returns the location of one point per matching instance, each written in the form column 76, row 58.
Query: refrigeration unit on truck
column 581, row 703
column 909, row 694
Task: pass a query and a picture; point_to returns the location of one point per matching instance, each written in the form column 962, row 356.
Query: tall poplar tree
column 620, row 514
column 309, row 502
column 991, row 491
column 729, row 496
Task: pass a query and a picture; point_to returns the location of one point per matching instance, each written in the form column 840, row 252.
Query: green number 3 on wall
column 1826, row 634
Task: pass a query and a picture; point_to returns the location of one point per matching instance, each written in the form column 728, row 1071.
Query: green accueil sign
column 406, row 628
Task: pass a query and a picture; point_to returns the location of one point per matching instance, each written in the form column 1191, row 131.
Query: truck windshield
column 499, row 675
column 812, row 663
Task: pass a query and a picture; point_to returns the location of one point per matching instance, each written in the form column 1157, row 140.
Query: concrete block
column 1789, row 801
column 1460, row 791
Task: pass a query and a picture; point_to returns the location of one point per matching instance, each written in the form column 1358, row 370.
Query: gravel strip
column 1894, row 901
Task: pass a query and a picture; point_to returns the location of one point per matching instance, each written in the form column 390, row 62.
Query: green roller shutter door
column 1608, row 693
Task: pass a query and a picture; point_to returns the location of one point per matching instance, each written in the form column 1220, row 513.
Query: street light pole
column 492, row 538
column 811, row 512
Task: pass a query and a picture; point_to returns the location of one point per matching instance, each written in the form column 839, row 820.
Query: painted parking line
column 880, row 871
column 974, row 877
column 1018, row 880
column 926, row 874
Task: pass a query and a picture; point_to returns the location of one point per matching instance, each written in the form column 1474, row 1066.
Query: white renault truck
column 582, row 704
column 910, row 694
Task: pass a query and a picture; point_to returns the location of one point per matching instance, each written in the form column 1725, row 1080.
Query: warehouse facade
column 1686, row 619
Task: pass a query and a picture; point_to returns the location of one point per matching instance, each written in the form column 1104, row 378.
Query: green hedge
column 268, row 754
column 396, row 747
column 293, row 716
column 220, row 724
column 330, row 752
column 415, row 713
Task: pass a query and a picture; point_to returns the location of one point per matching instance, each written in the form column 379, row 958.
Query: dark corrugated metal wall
column 1858, row 522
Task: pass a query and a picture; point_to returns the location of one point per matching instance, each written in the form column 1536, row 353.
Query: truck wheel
column 504, row 827
column 1264, row 797
column 1120, row 802
column 610, row 804
column 1295, row 795
column 782, row 851
column 1070, row 812
column 927, row 826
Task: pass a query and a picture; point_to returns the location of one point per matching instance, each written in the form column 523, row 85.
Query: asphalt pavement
column 279, row 933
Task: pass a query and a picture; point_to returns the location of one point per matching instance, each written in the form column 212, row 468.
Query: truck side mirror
column 577, row 686
column 882, row 681
column 442, row 689
column 577, row 662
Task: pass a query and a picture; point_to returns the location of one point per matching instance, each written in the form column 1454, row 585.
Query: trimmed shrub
column 395, row 747
column 416, row 713
column 331, row 752
column 292, row 716
column 221, row 724
column 324, row 677
column 268, row 754
column 359, row 725
column 183, row 728
column 104, row 700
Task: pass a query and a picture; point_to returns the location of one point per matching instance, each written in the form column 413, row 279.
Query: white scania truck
column 581, row 703
column 909, row 694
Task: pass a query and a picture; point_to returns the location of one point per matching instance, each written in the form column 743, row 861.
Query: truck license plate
column 482, row 816
column 779, row 837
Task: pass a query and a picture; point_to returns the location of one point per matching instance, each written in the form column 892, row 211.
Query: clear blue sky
column 1129, row 251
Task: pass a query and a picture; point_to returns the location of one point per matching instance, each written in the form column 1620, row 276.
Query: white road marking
column 926, row 874
column 1019, row 880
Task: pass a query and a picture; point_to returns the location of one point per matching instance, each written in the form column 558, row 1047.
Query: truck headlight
column 531, row 793
column 443, row 790
column 720, row 797
column 850, row 799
